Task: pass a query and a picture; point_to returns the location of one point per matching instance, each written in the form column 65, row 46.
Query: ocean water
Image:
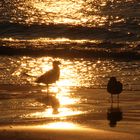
column 104, row 28
column 93, row 39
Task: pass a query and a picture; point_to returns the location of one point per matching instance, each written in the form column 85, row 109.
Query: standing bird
column 114, row 87
column 50, row 76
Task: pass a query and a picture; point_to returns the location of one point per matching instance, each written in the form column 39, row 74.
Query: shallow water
column 90, row 73
column 81, row 92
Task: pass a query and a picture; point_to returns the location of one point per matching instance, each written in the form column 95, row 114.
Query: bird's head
column 56, row 63
column 113, row 79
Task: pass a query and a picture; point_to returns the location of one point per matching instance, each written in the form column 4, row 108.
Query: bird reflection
column 50, row 76
column 114, row 114
column 50, row 100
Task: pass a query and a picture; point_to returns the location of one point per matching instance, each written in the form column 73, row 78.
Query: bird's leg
column 111, row 105
column 47, row 89
column 118, row 99
column 58, row 89
column 111, row 98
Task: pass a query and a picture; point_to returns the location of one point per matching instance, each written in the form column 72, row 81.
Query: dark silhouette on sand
column 50, row 76
column 114, row 114
column 50, row 100
column 114, row 87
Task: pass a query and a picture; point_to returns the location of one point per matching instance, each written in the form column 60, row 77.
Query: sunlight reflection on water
column 62, row 11
column 74, row 72
column 64, row 125
column 63, row 112
column 66, row 100
column 83, row 12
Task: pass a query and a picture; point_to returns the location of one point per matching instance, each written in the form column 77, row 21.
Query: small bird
column 114, row 87
column 50, row 76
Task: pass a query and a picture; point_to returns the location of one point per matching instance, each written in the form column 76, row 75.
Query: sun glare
column 62, row 11
column 62, row 114
column 60, row 125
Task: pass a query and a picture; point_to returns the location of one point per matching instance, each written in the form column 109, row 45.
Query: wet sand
column 33, row 133
column 92, row 125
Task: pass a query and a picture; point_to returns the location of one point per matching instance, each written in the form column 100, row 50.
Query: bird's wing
column 46, row 77
column 48, row 74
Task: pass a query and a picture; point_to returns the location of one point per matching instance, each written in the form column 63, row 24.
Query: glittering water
column 74, row 72
column 71, row 24
column 93, row 39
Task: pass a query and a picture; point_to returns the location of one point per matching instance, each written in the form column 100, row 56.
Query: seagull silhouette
column 50, row 76
column 114, row 87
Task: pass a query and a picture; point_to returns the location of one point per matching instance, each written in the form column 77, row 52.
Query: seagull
column 50, row 76
column 114, row 87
